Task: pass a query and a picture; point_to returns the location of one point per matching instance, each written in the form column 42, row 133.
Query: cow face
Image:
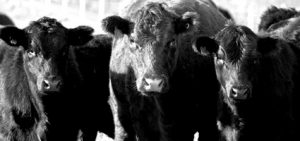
column 46, row 44
column 150, row 40
column 235, row 58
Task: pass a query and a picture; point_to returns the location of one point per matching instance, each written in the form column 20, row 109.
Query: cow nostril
column 239, row 93
column 46, row 84
column 247, row 91
column 59, row 84
column 154, row 82
column 234, row 92
column 161, row 83
column 145, row 81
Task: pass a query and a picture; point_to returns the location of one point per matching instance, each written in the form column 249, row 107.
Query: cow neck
column 22, row 95
column 72, row 72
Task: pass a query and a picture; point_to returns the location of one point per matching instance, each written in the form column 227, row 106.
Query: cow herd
column 164, row 71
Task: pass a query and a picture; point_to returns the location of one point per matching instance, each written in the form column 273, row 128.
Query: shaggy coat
column 259, row 78
column 93, row 64
column 160, row 89
column 37, row 65
column 5, row 20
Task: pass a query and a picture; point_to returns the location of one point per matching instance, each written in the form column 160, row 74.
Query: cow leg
column 98, row 120
column 206, row 121
column 103, row 124
column 123, row 123
column 89, row 134
column 106, row 123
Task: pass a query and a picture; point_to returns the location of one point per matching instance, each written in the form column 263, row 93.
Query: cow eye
column 220, row 57
column 221, row 54
column 131, row 40
column 255, row 62
column 187, row 26
column 31, row 53
column 172, row 43
column 134, row 46
column 220, row 61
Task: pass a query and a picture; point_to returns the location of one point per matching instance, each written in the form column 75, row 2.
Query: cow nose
column 240, row 93
column 153, row 84
column 51, row 86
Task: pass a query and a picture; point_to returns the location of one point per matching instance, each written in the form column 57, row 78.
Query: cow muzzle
column 153, row 84
column 51, row 85
column 240, row 92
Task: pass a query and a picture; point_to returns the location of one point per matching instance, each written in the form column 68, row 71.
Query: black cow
column 93, row 63
column 5, row 20
column 154, row 73
column 35, row 67
column 259, row 76
column 276, row 16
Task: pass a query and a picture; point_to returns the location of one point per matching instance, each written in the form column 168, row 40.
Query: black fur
column 274, row 15
column 271, row 67
column 111, row 23
column 189, row 105
column 22, row 116
column 59, row 112
column 80, row 35
column 205, row 46
column 5, row 20
column 226, row 13
column 14, row 36
column 93, row 62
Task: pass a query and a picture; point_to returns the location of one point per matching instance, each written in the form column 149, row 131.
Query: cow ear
column 205, row 46
column 80, row 35
column 291, row 32
column 112, row 23
column 13, row 36
column 186, row 23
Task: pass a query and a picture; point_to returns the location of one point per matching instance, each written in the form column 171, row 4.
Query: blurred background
column 90, row 12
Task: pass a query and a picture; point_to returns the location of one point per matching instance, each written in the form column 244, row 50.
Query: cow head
column 236, row 59
column 150, row 39
column 46, row 44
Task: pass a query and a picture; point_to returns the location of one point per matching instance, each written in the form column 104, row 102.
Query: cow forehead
column 153, row 20
column 47, row 33
column 237, row 42
column 45, row 27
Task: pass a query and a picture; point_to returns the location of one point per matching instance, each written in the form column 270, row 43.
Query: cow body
column 22, row 116
column 259, row 76
column 154, row 74
column 93, row 62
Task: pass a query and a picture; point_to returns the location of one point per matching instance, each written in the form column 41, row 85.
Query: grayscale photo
column 149, row 70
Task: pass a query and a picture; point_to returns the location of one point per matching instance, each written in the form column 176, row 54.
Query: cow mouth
column 48, row 94
column 150, row 93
